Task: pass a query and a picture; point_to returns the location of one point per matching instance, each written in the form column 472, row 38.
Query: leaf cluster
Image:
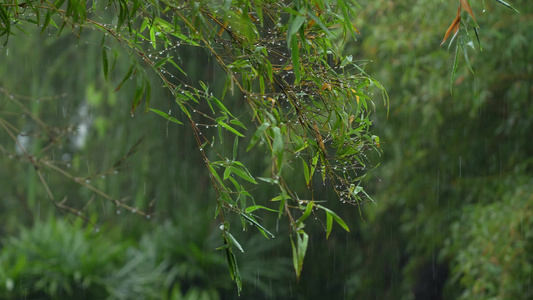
column 306, row 100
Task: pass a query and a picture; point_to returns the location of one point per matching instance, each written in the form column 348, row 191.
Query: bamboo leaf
column 306, row 214
column 306, row 172
column 252, row 208
column 454, row 27
column 229, row 128
column 234, row 241
column 296, row 23
column 257, row 135
column 317, row 20
column 335, row 217
column 243, row 174
column 507, row 5
column 105, row 63
column 166, row 116
column 128, row 75
column 261, row 229
column 329, row 224
column 298, row 251
column 277, row 147
column 454, row 67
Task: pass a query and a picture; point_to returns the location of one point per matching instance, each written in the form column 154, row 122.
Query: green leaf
column 261, row 229
column 329, row 224
column 238, row 123
column 166, row 116
column 235, row 147
column 233, row 267
column 128, row 75
column 507, row 5
column 47, row 19
column 252, row 208
column 162, row 62
column 269, row 180
column 295, row 264
column 317, row 20
column 298, row 251
column 277, row 147
column 105, row 63
column 465, row 54
column 454, row 67
column 306, row 214
column 221, row 106
column 230, row 128
column 335, row 217
column 306, row 172
column 296, row 23
column 314, row 163
column 243, row 174
column 257, row 135
column 153, row 41
column 234, row 241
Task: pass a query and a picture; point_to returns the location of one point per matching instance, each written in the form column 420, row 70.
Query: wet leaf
column 166, row 116
column 229, row 128
column 257, row 135
column 507, row 5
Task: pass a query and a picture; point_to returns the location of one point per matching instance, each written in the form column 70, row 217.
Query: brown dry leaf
column 466, row 6
column 326, row 86
column 355, row 28
column 454, row 27
column 319, row 138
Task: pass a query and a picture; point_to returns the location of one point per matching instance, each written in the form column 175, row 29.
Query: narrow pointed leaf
column 234, row 241
column 466, row 7
column 229, row 128
column 166, row 116
column 306, row 214
column 335, row 217
column 329, row 224
column 105, row 63
column 507, row 4
column 454, row 27
column 257, row 135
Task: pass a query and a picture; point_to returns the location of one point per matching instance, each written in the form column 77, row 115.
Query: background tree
column 453, row 195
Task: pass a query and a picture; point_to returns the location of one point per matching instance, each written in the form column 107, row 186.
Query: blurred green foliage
column 450, row 161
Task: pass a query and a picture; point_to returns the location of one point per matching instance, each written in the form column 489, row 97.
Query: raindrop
column 118, row 212
column 148, row 216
